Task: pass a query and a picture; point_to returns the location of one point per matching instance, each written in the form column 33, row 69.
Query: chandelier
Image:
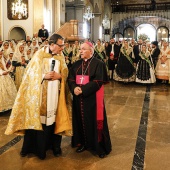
column 163, row 32
column 159, row 31
column 88, row 14
column 106, row 22
column 19, row 8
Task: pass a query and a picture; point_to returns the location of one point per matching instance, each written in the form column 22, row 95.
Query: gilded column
column 0, row 19
column 57, row 10
column 38, row 14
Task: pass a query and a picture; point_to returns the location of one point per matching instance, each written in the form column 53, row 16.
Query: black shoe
column 23, row 154
column 57, row 152
column 80, row 149
column 42, row 157
column 102, row 155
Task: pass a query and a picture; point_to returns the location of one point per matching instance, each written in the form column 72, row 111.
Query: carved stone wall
column 136, row 1
column 140, row 17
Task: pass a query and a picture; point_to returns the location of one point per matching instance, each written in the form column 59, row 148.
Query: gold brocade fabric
column 18, row 76
column 43, row 108
column 8, row 92
column 26, row 110
column 64, row 109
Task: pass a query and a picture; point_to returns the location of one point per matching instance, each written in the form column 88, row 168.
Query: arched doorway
column 129, row 33
column 118, row 36
column 147, row 29
column 17, row 33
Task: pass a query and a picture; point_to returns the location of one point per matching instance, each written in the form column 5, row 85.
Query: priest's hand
column 52, row 75
column 77, row 91
column 56, row 76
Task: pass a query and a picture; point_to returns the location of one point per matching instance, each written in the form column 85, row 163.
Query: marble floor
column 139, row 124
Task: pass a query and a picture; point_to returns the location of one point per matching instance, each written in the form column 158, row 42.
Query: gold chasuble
column 30, row 103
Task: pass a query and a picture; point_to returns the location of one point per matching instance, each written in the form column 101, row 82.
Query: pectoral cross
column 82, row 78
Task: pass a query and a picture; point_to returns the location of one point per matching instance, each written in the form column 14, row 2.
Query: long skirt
column 18, row 76
column 145, row 73
column 163, row 70
column 8, row 93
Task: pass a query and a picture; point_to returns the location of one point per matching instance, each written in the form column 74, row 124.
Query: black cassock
column 85, row 131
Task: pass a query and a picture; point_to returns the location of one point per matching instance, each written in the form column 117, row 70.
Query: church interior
column 138, row 114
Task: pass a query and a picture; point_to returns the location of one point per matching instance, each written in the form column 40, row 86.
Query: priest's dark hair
column 54, row 38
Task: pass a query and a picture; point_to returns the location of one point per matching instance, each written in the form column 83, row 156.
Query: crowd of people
column 128, row 60
column 60, row 87
column 142, row 62
column 14, row 58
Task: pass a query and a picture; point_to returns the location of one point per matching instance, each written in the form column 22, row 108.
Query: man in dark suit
column 43, row 33
column 114, row 48
column 136, row 49
column 155, row 52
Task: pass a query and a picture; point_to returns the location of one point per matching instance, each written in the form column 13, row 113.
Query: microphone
column 52, row 65
column 51, row 68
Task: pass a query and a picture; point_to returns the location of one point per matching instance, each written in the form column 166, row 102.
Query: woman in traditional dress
column 68, row 54
column 12, row 46
column 99, row 51
column 67, row 50
column 9, row 65
column 34, row 45
column 28, row 54
column 125, row 69
column 145, row 68
column 75, row 52
column 6, row 50
column 163, row 64
column 7, row 87
column 28, row 45
column 19, row 62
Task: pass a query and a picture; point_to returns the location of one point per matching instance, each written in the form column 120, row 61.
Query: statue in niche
column 96, row 8
column 99, row 6
column 88, row 3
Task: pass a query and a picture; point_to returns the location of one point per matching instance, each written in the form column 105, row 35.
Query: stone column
column 96, row 23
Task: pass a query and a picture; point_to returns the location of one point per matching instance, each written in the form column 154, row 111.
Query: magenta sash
column 82, row 79
column 100, row 109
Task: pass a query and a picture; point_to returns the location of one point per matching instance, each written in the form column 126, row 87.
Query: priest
column 86, row 79
column 41, row 112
